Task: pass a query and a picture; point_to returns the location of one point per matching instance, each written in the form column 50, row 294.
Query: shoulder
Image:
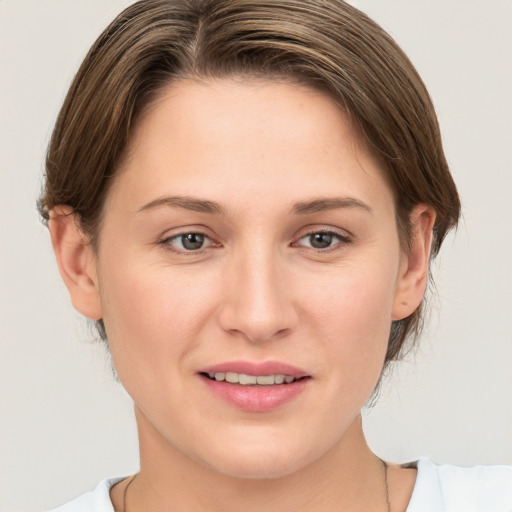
column 97, row 500
column 453, row 489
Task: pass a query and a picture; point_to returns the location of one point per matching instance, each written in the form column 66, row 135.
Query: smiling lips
column 248, row 380
column 255, row 387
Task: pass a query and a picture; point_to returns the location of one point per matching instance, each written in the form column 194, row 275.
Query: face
column 249, row 237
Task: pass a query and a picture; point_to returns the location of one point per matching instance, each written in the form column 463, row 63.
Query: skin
column 257, row 291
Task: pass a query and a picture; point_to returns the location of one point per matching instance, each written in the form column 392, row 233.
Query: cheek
column 151, row 315
column 352, row 319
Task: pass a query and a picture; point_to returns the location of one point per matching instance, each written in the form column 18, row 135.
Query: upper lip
column 256, row 368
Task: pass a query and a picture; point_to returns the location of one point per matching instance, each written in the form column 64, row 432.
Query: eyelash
column 343, row 239
column 168, row 245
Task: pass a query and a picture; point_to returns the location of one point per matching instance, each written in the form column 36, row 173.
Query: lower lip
column 256, row 398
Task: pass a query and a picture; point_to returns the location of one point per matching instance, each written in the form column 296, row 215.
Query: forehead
column 256, row 108
column 277, row 140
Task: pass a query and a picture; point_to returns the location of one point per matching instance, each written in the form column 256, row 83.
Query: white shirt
column 437, row 489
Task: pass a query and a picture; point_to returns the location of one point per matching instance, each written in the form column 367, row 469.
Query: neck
column 348, row 477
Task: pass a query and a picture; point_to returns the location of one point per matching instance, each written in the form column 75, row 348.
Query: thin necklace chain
column 388, row 503
column 384, row 463
column 126, row 490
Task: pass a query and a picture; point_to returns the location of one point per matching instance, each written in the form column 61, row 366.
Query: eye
column 188, row 242
column 321, row 240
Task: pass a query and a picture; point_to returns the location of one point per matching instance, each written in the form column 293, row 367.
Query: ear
column 414, row 267
column 76, row 260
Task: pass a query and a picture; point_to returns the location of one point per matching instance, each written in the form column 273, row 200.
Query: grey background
column 65, row 424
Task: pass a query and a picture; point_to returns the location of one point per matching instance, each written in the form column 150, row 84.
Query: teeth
column 248, row 380
column 231, row 377
column 245, row 380
column 265, row 380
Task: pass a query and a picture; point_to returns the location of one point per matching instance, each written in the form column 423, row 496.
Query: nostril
column 256, row 304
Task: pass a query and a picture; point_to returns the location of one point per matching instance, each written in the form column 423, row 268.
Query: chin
column 260, row 460
column 257, row 468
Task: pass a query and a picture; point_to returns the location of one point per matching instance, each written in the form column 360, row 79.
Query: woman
column 246, row 197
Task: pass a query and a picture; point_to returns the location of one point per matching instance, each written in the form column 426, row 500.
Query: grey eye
column 321, row 240
column 192, row 241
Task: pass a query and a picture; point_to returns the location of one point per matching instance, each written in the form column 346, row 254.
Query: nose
column 258, row 302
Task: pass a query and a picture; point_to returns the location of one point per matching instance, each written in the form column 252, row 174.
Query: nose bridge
column 257, row 304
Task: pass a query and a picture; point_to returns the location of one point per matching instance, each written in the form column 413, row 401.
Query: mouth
column 255, row 387
column 252, row 380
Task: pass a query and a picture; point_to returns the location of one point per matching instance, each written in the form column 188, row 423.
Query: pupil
column 192, row 241
column 321, row 240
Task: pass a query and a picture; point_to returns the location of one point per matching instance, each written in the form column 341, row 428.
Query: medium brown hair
column 326, row 44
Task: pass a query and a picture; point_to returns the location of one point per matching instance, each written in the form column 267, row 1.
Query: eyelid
column 344, row 237
column 166, row 239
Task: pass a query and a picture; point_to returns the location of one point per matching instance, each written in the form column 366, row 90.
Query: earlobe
column 414, row 268
column 76, row 261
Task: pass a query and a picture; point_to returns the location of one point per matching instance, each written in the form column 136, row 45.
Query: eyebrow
column 213, row 208
column 330, row 203
column 188, row 203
